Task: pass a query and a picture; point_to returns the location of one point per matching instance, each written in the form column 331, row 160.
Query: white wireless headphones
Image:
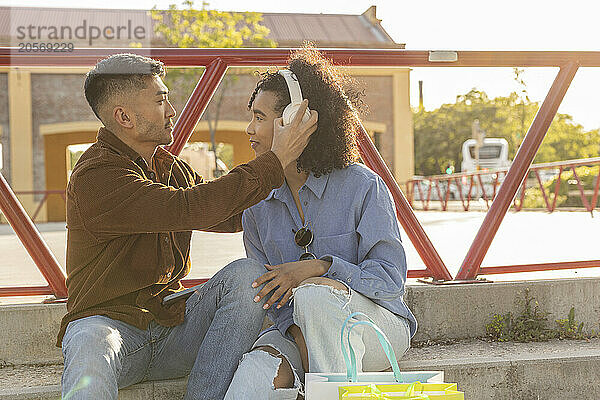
column 295, row 95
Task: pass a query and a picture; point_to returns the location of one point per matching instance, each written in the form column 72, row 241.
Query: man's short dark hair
column 119, row 74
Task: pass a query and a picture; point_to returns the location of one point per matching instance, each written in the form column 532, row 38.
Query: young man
column 131, row 207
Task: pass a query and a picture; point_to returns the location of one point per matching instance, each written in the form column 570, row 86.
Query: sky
column 453, row 25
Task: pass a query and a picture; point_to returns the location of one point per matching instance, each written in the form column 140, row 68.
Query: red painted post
column 595, row 195
column 31, row 239
column 460, row 192
column 519, row 205
column 175, row 57
column 471, row 182
column 496, row 177
column 517, row 173
column 537, row 175
column 447, row 197
column 506, row 269
column 487, row 204
column 196, row 104
column 557, row 188
column 7, row 291
column 410, row 191
column 581, row 191
column 406, row 216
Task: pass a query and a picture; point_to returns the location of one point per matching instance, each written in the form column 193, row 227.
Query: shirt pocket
column 344, row 246
column 279, row 251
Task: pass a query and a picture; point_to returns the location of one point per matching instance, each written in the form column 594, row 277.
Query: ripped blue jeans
column 319, row 311
column 221, row 323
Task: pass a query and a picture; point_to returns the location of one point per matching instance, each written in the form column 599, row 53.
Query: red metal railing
column 484, row 184
column 527, row 151
column 34, row 244
column 216, row 62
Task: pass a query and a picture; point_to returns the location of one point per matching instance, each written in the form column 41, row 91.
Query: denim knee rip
column 344, row 297
column 274, row 362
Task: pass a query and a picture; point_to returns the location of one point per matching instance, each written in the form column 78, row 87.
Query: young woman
column 329, row 238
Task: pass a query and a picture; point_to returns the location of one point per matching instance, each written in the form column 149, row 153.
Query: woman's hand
column 284, row 277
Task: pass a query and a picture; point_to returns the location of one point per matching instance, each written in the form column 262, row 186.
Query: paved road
column 524, row 237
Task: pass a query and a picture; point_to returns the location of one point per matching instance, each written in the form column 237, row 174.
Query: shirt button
column 349, row 280
column 376, row 293
column 306, row 203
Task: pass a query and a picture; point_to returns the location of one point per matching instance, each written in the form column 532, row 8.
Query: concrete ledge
column 484, row 371
column 556, row 369
column 462, row 311
column 28, row 332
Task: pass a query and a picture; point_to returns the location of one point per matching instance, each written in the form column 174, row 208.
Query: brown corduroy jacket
column 129, row 227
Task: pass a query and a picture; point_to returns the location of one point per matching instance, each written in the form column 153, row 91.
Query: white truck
column 493, row 153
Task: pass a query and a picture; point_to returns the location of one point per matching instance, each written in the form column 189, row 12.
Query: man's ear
column 123, row 117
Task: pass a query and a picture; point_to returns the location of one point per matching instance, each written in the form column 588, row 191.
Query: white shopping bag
column 324, row 386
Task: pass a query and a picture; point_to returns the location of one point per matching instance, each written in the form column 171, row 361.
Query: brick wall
column 55, row 98
column 59, row 98
column 380, row 101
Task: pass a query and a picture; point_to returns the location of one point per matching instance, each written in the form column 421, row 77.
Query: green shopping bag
column 402, row 391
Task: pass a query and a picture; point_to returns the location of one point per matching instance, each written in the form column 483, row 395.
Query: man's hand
column 290, row 140
column 284, row 277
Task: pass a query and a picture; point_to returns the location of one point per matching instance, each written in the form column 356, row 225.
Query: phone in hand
column 183, row 294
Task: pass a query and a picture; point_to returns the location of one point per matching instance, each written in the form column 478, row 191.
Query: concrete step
column 42, row 382
column 483, row 370
column 558, row 369
column 458, row 311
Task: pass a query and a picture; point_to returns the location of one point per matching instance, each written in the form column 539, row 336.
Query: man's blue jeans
column 221, row 324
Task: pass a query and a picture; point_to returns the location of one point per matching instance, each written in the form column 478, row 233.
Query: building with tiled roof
column 287, row 29
column 43, row 112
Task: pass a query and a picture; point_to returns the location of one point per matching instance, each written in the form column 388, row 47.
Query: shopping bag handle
column 372, row 389
column 351, row 368
column 385, row 344
column 410, row 391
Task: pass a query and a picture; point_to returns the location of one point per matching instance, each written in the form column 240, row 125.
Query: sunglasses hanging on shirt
column 303, row 238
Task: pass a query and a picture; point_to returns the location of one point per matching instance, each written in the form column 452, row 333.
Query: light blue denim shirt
column 351, row 214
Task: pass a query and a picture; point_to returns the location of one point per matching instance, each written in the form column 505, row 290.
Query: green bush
column 587, row 175
column 528, row 326
column 568, row 328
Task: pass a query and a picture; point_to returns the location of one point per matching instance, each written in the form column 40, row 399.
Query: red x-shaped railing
column 216, row 62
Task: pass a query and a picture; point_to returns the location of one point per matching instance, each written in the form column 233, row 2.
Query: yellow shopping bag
column 402, row 391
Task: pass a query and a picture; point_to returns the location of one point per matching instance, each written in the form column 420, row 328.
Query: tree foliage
column 191, row 27
column 439, row 134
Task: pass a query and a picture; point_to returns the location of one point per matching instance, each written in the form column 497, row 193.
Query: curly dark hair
column 336, row 98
